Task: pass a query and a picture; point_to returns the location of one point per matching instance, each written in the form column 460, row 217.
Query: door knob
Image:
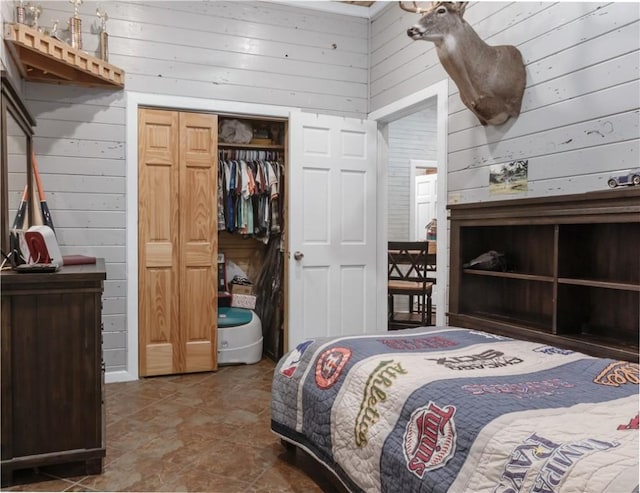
column 298, row 255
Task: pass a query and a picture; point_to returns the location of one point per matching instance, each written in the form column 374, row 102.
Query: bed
column 450, row 409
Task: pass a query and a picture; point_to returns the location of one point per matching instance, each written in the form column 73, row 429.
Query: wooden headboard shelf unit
column 42, row 58
column 574, row 271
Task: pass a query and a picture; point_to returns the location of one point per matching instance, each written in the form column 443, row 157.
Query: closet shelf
column 229, row 145
column 42, row 58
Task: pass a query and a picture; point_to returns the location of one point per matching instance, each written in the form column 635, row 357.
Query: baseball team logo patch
column 549, row 461
column 537, row 388
column 330, row 365
column 619, row 373
column 292, row 362
column 429, row 438
column 632, row 424
column 553, row 350
column 490, row 358
column 375, row 391
column 417, row 343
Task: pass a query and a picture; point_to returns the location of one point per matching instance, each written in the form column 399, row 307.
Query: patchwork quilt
column 448, row 409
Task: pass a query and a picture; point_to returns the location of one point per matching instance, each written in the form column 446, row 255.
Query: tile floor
column 200, row 432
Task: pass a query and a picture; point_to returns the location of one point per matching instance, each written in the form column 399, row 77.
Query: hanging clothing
column 250, row 192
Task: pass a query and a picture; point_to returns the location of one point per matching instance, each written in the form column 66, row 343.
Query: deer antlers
column 459, row 6
column 415, row 9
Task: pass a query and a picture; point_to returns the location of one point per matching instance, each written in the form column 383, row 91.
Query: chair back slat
column 409, row 261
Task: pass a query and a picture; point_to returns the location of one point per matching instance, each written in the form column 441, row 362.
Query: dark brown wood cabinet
column 52, row 371
column 573, row 275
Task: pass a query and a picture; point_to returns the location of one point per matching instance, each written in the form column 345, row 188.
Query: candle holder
column 104, row 37
column 21, row 13
column 54, row 33
column 35, row 11
column 75, row 26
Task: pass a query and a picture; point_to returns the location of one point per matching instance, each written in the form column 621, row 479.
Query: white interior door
column 332, row 227
column 426, row 200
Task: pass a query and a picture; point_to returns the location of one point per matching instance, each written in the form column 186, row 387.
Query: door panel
column 332, row 211
column 157, row 240
column 315, row 205
column 198, row 240
column 315, row 302
column 158, row 313
column 352, row 280
column 426, row 201
column 352, row 223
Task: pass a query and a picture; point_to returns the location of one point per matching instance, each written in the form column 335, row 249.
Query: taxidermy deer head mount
column 490, row 79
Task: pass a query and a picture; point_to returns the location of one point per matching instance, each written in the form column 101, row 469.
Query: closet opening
column 252, row 224
column 212, row 222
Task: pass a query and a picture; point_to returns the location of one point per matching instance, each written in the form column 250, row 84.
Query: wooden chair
column 410, row 266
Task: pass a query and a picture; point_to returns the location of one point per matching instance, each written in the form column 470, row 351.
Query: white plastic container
column 239, row 336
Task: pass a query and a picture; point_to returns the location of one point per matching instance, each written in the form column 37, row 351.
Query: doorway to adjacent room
column 414, row 128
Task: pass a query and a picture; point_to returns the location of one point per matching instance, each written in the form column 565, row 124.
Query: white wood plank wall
column 7, row 15
column 254, row 52
column 411, row 137
column 579, row 120
column 239, row 51
column 80, row 145
column 580, row 113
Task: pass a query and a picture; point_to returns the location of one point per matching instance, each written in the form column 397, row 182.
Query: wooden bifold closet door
column 177, row 241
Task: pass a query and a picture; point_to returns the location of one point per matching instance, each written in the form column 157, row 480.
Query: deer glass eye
column 441, row 10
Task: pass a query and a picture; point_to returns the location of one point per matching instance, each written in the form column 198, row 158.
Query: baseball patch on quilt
column 429, row 438
column 330, row 365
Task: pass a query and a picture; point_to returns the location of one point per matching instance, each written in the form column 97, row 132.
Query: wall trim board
column 133, row 101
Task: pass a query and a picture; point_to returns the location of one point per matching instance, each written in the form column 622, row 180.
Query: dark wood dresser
column 52, row 370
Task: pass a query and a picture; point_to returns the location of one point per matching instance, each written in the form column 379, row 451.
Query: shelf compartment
column 601, row 346
column 266, row 133
column 598, row 313
column 596, row 283
column 516, row 301
column 519, row 244
column 521, row 320
column 600, row 252
column 630, row 348
column 42, row 58
column 508, row 275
